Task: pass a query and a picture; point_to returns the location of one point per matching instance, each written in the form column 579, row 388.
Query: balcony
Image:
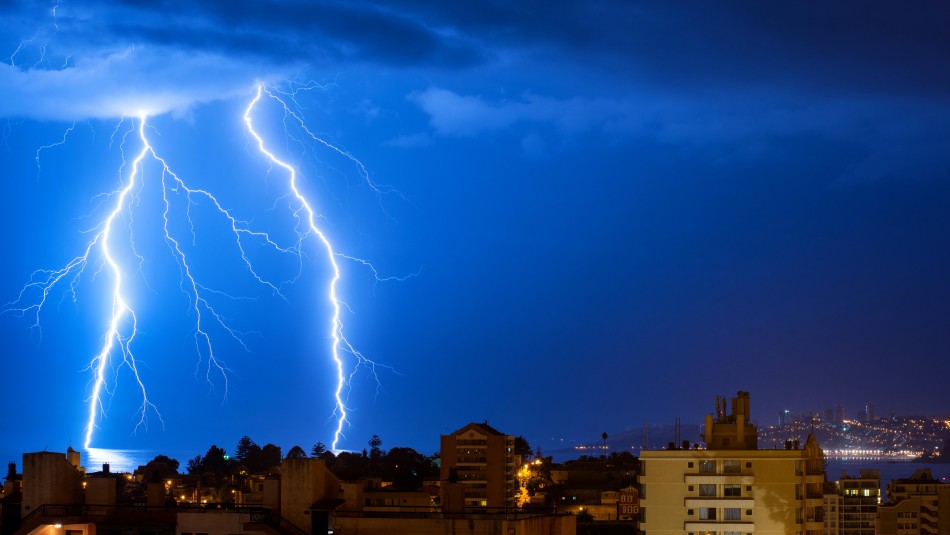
column 718, row 527
column 719, row 479
column 739, row 502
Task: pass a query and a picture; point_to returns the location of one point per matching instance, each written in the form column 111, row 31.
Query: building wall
column 469, row 525
column 919, row 504
column 304, row 482
column 732, row 486
column 628, row 506
column 71, row 529
column 48, row 478
column 101, row 491
column 832, row 505
column 213, row 522
column 770, row 486
column 902, row 517
column 360, row 498
column 858, row 500
column 484, row 462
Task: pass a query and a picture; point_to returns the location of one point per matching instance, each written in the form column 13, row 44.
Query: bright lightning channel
column 123, row 323
column 339, row 344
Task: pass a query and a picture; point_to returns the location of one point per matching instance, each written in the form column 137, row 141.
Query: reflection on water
column 119, row 460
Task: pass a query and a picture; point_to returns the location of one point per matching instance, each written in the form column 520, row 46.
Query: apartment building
column 730, row 487
column 482, row 461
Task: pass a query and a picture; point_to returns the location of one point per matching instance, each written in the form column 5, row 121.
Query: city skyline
column 616, row 212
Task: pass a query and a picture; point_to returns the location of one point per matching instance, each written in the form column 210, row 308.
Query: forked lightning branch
column 118, row 349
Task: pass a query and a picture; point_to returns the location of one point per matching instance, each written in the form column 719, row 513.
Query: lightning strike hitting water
column 116, row 351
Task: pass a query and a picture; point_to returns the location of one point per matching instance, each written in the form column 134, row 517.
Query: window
column 731, row 467
column 748, row 464
column 689, row 464
column 732, row 513
column 706, row 489
column 731, row 533
column 707, row 467
column 707, row 513
column 748, row 512
column 689, row 512
column 689, row 488
column 731, row 491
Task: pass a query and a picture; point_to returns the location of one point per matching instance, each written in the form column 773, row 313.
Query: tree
column 195, row 465
column 350, row 466
column 159, row 468
column 296, row 452
column 318, row 449
column 270, row 457
column 584, row 516
column 249, row 455
column 329, row 459
column 215, row 461
column 406, row 468
column 522, row 447
column 245, row 448
column 374, row 444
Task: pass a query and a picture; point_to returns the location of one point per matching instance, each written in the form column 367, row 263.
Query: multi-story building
column 731, row 487
column 918, row 505
column 858, row 498
column 629, row 506
column 832, row 502
column 482, row 461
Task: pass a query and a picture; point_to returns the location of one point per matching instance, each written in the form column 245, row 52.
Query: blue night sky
column 616, row 210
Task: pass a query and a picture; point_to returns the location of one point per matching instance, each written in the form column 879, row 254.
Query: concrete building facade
column 858, row 498
column 482, row 461
column 731, row 487
column 918, row 505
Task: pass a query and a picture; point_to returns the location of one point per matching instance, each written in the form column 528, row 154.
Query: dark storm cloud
column 297, row 31
column 690, row 49
column 108, row 59
column 820, row 46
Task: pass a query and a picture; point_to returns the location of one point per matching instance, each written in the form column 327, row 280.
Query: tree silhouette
column 159, row 468
column 270, row 457
column 374, row 444
column 296, row 452
column 523, row 448
column 246, row 449
column 318, row 449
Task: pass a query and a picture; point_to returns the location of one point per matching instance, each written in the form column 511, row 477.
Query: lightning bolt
column 117, row 351
column 340, row 345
